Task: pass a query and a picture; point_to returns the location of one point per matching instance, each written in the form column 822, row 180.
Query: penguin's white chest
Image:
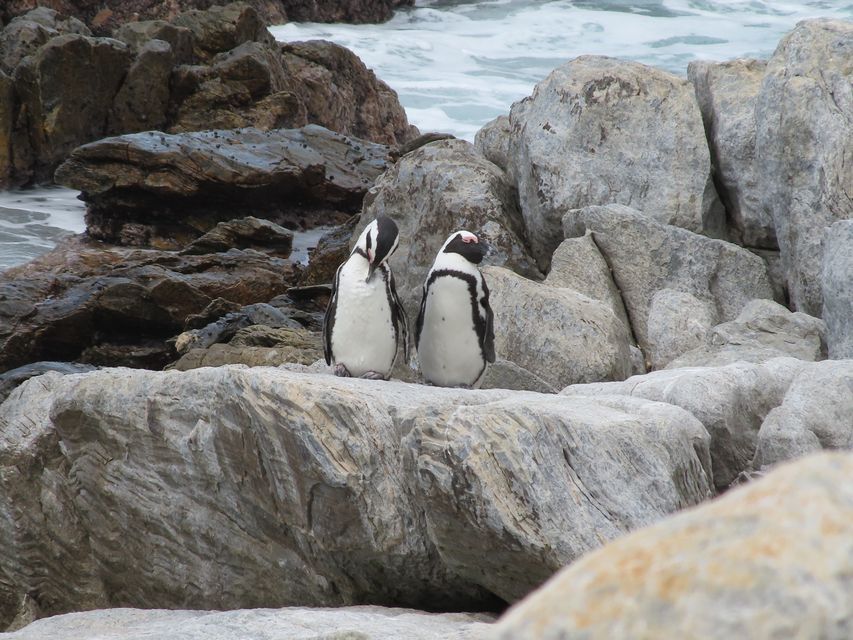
column 449, row 348
column 363, row 337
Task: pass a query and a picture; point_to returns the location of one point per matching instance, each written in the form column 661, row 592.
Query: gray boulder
column 647, row 256
column 578, row 264
column 804, row 140
column 837, row 279
column 726, row 92
column 345, row 623
column 559, row 335
column 817, row 413
column 678, row 322
column 599, row 130
column 566, row 498
column 492, row 140
column 437, row 189
column 763, row 330
column 782, row 544
column 154, row 489
column 730, row 401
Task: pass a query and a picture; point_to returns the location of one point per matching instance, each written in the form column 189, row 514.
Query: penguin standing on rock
column 455, row 334
column 365, row 321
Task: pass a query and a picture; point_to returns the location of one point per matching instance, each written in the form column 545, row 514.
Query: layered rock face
column 133, row 488
column 60, row 87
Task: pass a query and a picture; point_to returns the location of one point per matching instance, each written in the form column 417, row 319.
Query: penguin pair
column 365, row 321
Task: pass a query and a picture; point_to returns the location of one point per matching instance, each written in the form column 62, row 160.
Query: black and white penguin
column 365, row 321
column 455, row 334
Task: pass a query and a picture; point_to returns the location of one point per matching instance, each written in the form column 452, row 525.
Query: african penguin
column 365, row 320
column 455, row 334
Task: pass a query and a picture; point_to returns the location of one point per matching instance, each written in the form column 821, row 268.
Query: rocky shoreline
column 672, row 283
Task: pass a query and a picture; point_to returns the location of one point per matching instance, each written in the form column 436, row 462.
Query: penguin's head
column 467, row 245
column 378, row 242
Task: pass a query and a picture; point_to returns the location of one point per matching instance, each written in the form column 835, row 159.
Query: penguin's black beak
column 370, row 269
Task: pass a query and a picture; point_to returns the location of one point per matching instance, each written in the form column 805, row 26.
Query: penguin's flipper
column 401, row 322
column 329, row 318
column 419, row 325
column 489, row 335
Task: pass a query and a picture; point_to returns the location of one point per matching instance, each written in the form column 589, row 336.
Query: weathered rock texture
column 438, row 189
column 236, row 487
column 557, row 334
column 164, row 190
column 578, row 264
column 837, row 281
column 598, row 131
column 114, row 306
column 782, row 544
column 726, row 93
column 804, row 120
column 677, row 322
column 817, row 413
column 346, row 623
column 647, row 256
column 65, row 91
column 762, row 330
column 730, row 401
column 213, row 69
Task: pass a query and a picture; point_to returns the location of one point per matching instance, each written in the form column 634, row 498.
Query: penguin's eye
column 469, row 238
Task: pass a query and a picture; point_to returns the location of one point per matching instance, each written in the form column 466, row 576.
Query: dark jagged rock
column 243, row 233
column 25, row 34
column 342, row 94
column 152, row 188
column 13, row 378
column 107, row 305
column 143, row 99
column 214, row 69
column 66, row 91
column 137, row 34
column 221, row 29
column 223, row 329
column 105, row 15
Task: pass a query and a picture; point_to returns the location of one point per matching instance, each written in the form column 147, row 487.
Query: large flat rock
column 236, row 487
column 168, row 182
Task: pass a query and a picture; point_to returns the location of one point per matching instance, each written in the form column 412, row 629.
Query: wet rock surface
column 217, row 68
column 118, row 307
column 165, row 190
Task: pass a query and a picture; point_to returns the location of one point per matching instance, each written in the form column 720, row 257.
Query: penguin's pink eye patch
column 468, row 238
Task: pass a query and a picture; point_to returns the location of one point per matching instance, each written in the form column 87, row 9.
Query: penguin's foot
column 373, row 375
column 342, row 371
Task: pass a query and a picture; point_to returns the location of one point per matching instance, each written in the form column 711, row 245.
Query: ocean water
column 456, row 65
column 32, row 221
